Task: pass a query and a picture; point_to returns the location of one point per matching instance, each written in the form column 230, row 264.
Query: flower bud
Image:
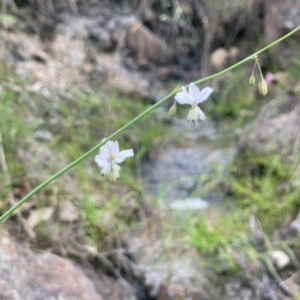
column 252, row 80
column 262, row 87
column 112, row 176
column 173, row 110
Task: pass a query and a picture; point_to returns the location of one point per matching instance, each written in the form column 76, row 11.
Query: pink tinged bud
column 262, row 87
column 269, row 78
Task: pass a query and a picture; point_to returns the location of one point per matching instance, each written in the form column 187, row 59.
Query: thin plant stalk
column 133, row 121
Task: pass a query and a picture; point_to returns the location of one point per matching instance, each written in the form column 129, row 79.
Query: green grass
column 80, row 120
column 77, row 123
column 266, row 187
column 212, row 240
column 254, row 184
column 261, row 184
column 14, row 125
column 220, row 242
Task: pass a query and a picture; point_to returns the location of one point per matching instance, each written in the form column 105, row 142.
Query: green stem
column 249, row 57
column 136, row 119
column 260, row 73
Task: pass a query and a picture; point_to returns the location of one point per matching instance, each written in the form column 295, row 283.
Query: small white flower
column 193, row 97
column 109, row 158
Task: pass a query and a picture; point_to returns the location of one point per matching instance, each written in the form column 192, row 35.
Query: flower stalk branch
column 133, row 121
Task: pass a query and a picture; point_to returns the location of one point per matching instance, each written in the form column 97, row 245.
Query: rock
column 164, row 275
column 256, row 230
column 39, row 215
column 179, row 292
column 219, row 58
column 109, row 287
column 177, row 170
column 101, row 38
column 39, row 55
column 177, row 271
column 29, row 275
column 274, row 131
column 68, row 212
column 117, row 77
column 291, row 284
column 189, row 204
column 280, row 259
column 25, row 48
column 147, row 47
column 296, row 223
column 148, row 14
column 71, row 60
column 43, row 135
column 280, row 18
column 233, row 53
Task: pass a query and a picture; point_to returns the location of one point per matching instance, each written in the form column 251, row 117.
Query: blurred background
column 200, row 212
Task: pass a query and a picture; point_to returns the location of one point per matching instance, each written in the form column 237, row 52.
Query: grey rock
column 147, row 46
column 275, row 130
column 177, row 170
column 29, row 275
column 280, row 259
column 68, row 212
column 296, row 223
column 43, row 135
column 168, row 270
column 280, row 18
column 101, row 38
column 109, row 287
column 189, row 204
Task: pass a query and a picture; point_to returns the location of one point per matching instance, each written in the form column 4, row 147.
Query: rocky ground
column 143, row 49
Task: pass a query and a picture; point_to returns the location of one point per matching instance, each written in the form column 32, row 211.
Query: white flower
column 193, row 97
column 109, row 158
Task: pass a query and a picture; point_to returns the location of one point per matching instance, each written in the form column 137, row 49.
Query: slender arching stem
column 133, row 121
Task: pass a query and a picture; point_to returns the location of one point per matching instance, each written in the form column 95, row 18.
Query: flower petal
column 116, row 169
column 104, row 152
column 184, row 90
column 108, row 158
column 113, row 174
column 204, row 94
column 117, row 149
column 123, row 155
column 105, row 170
column 200, row 113
column 192, row 116
column 101, row 161
column 194, row 90
column 111, row 146
column 183, row 98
